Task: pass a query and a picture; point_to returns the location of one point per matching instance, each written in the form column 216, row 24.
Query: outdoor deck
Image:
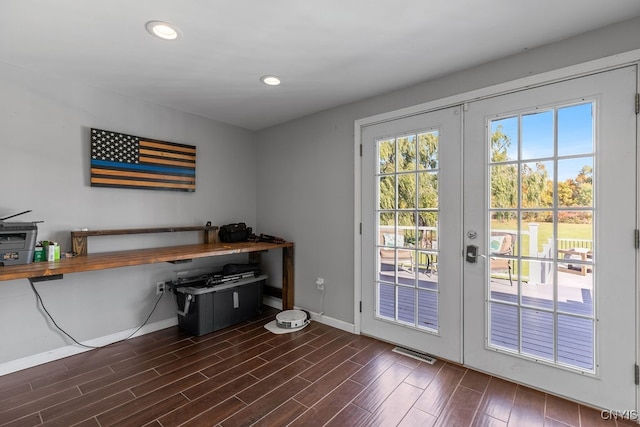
column 575, row 335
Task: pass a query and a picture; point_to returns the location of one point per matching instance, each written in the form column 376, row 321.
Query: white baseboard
column 317, row 317
column 330, row 321
column 272, row 302
column 70, row 350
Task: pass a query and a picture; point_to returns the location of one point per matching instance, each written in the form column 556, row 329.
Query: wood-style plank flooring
column 245, row 375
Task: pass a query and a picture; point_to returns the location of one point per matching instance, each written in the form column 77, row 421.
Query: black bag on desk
column 231, row 233
column 234, row 269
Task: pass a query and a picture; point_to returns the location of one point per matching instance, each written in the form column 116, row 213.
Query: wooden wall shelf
column 80, row 246
column 117, row 259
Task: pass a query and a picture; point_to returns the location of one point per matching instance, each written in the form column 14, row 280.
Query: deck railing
column 567, row 244
column 550, row 249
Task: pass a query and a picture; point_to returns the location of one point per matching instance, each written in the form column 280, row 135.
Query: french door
column 551, row 301
column 524, row 229
column 412, row 218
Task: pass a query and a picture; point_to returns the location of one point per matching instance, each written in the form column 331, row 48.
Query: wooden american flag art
column 127, row 161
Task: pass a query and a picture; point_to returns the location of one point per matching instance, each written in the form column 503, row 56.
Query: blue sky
column 575, row 136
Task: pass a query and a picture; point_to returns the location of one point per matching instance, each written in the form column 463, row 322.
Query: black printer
column 17, row 241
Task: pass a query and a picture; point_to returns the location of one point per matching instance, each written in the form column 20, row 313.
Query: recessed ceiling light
column 270, row 80
column 163, row 30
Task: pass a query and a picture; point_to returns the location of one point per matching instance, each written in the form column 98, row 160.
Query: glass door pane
column 541, row 234
column 407, row 229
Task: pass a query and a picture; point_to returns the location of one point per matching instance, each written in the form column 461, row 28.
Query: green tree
column 504, row 177
column 428, row 150
column 387, row 183
column 535, row 189
column 565, row 192
column 411, row 163
column 387, row 156
column 585, row 176
column 584, row 186
column 577, row 191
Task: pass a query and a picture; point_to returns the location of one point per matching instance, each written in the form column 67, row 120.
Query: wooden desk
column 117, row 259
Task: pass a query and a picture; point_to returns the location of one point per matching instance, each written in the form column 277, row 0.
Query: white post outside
column 534, row 270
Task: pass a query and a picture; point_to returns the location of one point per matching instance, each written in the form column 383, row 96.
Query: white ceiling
column 327, row 52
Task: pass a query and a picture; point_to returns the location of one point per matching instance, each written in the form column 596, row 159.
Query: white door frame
column 602, row 64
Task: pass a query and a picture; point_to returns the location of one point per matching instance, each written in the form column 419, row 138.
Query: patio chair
column 427, row 262
column 405, row 258
column 501, row 244
column 387, row 253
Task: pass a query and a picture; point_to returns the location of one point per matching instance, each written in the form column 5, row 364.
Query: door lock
column 472, row 254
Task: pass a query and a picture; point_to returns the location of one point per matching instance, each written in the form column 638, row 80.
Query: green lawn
column 545, row 232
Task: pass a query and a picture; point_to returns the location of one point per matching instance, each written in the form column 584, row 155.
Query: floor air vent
column 416, row 355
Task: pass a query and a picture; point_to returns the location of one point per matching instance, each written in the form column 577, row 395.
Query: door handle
column 472, row 255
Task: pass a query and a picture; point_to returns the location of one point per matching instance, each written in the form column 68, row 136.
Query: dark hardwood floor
column 245, row 375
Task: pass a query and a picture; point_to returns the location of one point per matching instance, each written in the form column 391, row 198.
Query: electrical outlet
column 159, row 288
column 320, row 283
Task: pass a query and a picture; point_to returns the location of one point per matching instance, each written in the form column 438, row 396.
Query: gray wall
column 306, row 176
column 44, row 158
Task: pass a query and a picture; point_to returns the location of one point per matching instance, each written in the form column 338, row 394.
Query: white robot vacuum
column 288, row 321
